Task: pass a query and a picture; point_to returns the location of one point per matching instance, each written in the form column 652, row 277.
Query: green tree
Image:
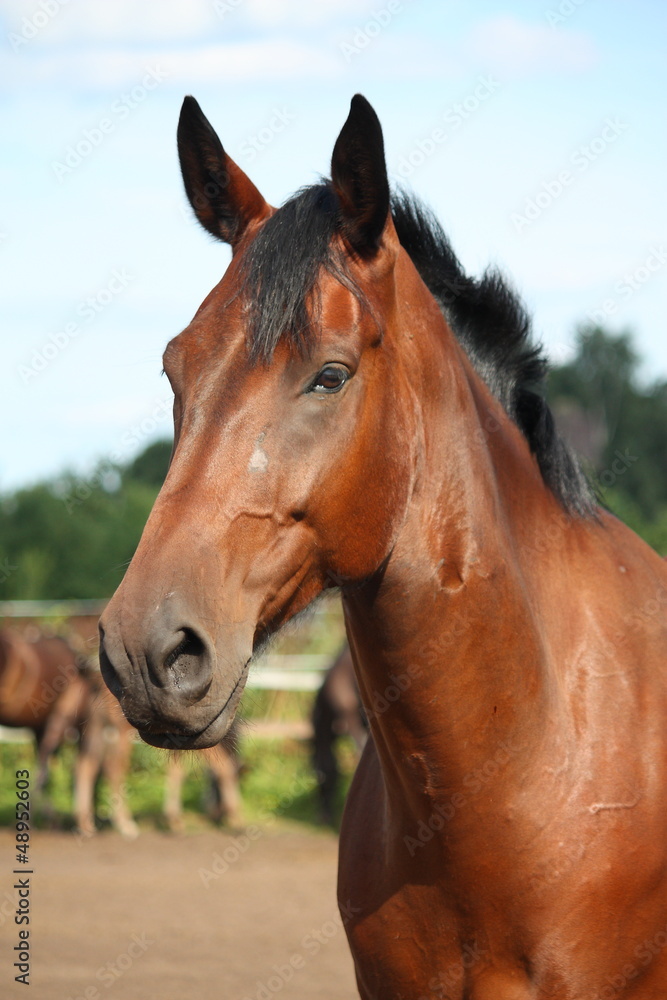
column 151, row 465
column 72, row 537
column 619, row 425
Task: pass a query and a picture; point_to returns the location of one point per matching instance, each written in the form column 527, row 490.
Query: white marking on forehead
column 259, row 460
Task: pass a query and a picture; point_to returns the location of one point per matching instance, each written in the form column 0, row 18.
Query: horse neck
column 448, row 650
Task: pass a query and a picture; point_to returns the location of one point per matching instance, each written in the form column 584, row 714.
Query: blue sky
column 535, row 130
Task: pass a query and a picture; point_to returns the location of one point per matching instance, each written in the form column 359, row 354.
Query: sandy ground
column 191, row 917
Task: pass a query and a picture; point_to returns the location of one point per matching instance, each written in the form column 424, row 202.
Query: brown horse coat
column 351, row 409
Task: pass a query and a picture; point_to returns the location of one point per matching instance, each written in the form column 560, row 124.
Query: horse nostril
column 190, row 646
column 189, row 666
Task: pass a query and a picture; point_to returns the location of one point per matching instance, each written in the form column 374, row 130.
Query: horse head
column 295, row 428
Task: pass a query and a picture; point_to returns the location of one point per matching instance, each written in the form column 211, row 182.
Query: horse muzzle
column 169, row 678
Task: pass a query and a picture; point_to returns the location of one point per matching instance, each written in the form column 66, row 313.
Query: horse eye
column 330, row 379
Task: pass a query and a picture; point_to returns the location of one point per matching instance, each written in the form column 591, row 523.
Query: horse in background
column 32, row 677
column 105, row 741
column 337, row 711
column 104, row 748
column 47, row 686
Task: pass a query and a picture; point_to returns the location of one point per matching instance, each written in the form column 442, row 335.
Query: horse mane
column 487, row 317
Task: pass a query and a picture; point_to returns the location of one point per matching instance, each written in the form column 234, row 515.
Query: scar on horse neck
column 597, row 807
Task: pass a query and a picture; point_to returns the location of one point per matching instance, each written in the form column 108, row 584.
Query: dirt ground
column 205, row 916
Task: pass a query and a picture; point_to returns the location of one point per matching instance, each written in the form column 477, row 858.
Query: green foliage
column 150, row 467
column 620, row 427
column 72, row 538
column 653, row 531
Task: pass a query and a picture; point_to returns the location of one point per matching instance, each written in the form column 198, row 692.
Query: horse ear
column 223, row 198
column 359, row 178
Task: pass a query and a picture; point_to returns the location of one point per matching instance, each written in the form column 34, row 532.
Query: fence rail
column 52, row 609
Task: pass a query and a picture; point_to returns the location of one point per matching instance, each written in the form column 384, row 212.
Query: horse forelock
column 281, row 270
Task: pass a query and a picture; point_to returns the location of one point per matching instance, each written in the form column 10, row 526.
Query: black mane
column 486, row 315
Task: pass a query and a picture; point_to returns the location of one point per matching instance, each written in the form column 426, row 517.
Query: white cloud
column 270, row 59
column 510, row 47
column 402, row 56
column 122, row 20
column 109, row 45
column 270, row 13
column 159, row 21
column 113, row 69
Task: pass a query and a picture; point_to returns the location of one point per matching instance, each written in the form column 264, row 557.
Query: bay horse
column 105, row 740
column 46, row 686
column 352, row 410
column 32, row 677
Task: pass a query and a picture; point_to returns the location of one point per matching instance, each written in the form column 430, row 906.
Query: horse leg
column 51, row 737
column 225, row 776
column 117, row 756
column 173, row 797
column 86, row 770
column 44, row 748
column 41, row 804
